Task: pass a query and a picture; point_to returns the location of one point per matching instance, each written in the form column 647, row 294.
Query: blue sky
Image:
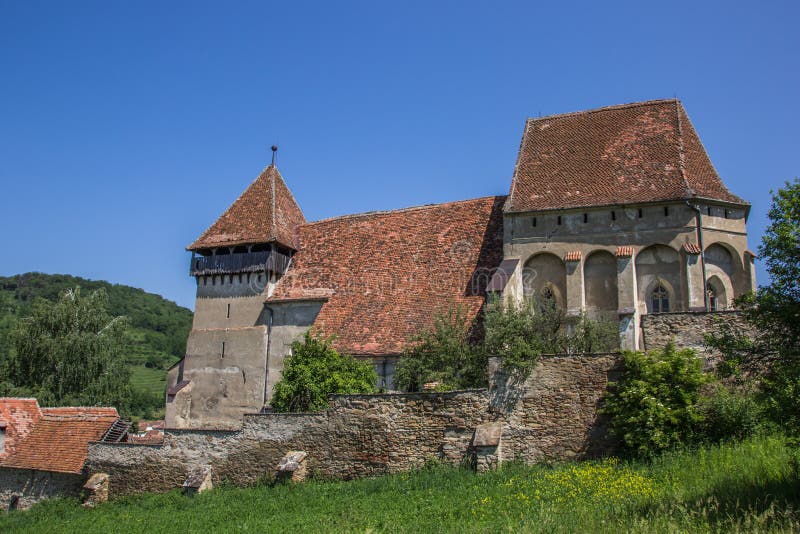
column 126, row 128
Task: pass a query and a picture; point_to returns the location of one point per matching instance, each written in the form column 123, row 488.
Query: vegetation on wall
column 155, row 337
column 453, row 356
column 315, row 370
column 520, row 334
column 444, row 354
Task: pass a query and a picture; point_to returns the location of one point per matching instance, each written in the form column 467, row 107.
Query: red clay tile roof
column 573, row 255
column 641, row 152
column 384, row 276
column 59, row 439
column 624, row 252
column 266, row 212
column 17, row 417
column 692, row 248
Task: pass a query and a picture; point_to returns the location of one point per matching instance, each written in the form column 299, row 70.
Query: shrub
column 444, row 353
column 730, row 413
column 653, row 407
column 520, row 334
column 314, row 371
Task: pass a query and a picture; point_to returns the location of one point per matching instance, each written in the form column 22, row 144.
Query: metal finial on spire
column 274, row 151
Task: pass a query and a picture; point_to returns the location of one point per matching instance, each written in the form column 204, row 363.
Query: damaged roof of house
column 53, row 439
column 383, row 276
column 640, row 152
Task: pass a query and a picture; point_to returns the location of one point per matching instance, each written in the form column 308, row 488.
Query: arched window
column 713, row 303
column 659, row 299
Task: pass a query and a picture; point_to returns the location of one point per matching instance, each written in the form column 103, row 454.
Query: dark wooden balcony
column 243, row 262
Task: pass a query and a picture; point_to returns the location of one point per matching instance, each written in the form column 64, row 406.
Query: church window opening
column 559, row 220
column 613, row 215
column 659, row 300
column 585, row 218
column 666, row 211
column 640, row 213
column 713, row 302
column 533, row 222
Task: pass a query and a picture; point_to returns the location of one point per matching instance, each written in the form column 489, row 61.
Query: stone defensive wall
column 688, row 329
column 553, row 414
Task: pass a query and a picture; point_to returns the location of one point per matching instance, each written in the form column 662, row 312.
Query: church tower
column 236, row 263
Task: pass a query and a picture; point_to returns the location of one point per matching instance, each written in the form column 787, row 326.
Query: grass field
column 730, row 488
column 152, row 380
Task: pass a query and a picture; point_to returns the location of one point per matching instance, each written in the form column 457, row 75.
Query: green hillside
column 158, row 326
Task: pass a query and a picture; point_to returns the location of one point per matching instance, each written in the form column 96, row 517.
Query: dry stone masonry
column 552, row 414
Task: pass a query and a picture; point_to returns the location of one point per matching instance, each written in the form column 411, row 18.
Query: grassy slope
column 159, row 327
column 729, row 488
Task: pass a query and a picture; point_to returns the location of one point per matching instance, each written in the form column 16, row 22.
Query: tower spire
column 274, row 152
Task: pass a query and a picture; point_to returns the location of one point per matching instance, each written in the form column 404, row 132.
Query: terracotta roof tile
column 642, row 152
column 266, row 212
column 18, row 417
column 59, row 439
column 385, row 275
column 573, row 255
column 692, row 248
column 624, row 252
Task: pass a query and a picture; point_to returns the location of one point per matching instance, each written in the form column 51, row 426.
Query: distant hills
column 159, row 327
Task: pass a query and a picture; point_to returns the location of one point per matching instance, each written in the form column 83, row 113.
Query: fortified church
column 616, row 212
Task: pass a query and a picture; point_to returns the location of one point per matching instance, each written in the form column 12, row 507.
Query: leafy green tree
column 772, row 354
column 315, row 370
column 654, row 405
column 445, row 354
column 68, row 352
column 521, row 334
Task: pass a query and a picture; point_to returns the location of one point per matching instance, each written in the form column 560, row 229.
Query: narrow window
column 613, row 215
column 228, row 315
column 713, row 303
column 726, row 214
column 708, row 210
column 2, row 438
column 640, row 213
column 533, row 222
column 559, row 220
column 223, row 349
column 585, row 218
column 659, row 300
column 666, row 211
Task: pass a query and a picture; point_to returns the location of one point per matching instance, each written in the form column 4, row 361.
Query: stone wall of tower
column 226, row 354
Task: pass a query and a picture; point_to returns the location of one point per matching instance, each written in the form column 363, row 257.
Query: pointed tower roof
column 265, row 213
column 640, row 152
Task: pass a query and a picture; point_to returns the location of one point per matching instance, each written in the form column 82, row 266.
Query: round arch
column 544, row 275
column 600, row 282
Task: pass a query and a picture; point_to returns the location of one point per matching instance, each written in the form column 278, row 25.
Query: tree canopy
column 315, row 370
column 68, row 352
